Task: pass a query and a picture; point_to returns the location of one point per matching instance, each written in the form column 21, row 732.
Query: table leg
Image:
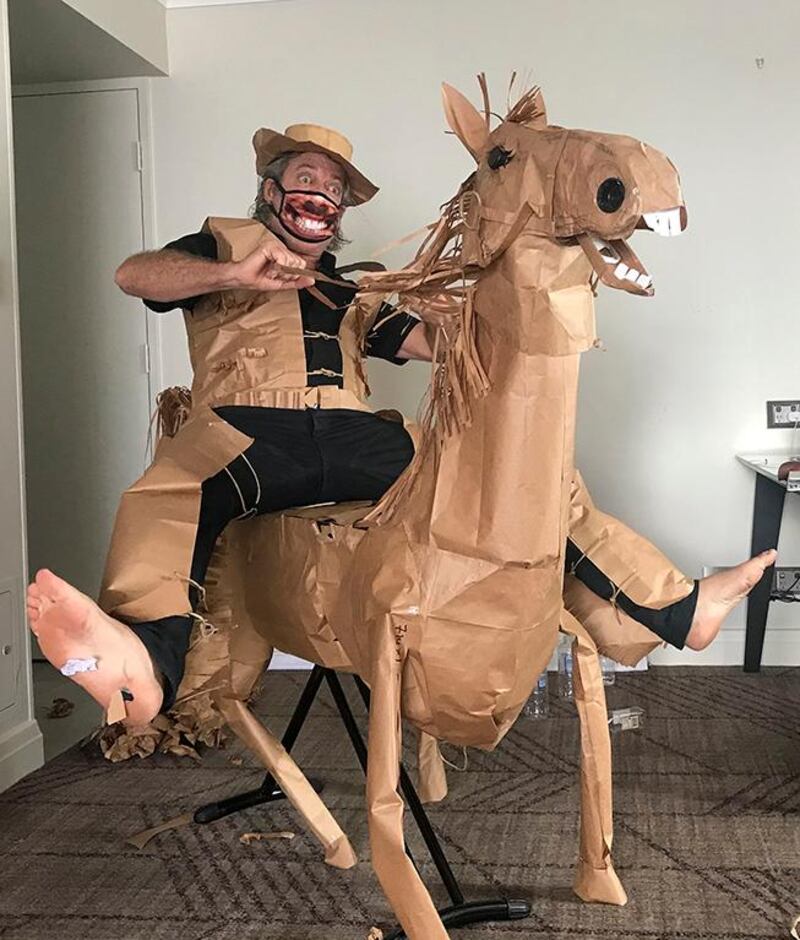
column 767, row 514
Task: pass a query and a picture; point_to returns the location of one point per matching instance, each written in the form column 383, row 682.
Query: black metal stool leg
column 475, row 912
column 347, row 717
column 353, row 730
column 269, row 791
column 462, row 912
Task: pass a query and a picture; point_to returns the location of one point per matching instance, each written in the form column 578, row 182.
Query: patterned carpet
column 707, row 829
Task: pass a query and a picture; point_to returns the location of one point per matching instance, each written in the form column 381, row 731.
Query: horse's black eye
column 610, row 194
column 499, row 156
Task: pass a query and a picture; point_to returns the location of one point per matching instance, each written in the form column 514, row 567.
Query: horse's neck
column 502, row 484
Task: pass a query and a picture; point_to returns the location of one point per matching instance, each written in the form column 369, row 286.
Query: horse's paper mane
column 439, row 287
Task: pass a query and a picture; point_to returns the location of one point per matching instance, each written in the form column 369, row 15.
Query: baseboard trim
column 287, row 661
column 21, row 752
column 781, row 648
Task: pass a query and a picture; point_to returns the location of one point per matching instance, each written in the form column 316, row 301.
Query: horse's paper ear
column 465, row 120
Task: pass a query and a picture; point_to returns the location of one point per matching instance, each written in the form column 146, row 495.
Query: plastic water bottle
column 626, row 719
column 565, row 668
column 609, row 668
column 537, row 705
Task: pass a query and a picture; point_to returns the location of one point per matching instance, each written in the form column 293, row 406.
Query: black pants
column 298, row 458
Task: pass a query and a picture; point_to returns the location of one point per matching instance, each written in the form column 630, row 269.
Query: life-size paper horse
column 447, row 597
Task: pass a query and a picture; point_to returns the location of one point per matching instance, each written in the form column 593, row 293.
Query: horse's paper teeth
column 621, row 270
column 664, row 223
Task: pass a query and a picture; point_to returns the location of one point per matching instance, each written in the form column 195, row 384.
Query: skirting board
column 286, row 661
column 781, row 648
column 21, row 752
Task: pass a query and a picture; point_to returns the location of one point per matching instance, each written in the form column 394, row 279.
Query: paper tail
column 595, row 878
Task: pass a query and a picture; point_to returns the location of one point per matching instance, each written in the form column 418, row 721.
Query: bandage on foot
column 720, row 593
column 100, row 654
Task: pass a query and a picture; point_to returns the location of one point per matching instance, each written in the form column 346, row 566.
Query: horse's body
column 447, row 598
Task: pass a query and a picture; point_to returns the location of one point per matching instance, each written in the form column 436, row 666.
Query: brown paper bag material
column 338, row 851
column 632, row 563
column 141, row 839
column 396, row 872
column 432, row 774
column 447, row 597
column 613, row 632
column 116, row 709
column 157, row 519
column 247, row 838
column 595, row 878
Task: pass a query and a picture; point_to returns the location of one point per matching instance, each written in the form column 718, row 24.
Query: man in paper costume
column 279, row 419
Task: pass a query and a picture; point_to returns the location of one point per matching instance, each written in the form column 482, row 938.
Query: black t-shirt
column 320, row 322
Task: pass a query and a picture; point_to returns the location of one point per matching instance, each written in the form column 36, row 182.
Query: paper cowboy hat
column 302, row 138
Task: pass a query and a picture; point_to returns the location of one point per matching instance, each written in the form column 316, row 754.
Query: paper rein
column 372, row 266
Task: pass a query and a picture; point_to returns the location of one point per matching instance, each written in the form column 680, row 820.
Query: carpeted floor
column 707, row 829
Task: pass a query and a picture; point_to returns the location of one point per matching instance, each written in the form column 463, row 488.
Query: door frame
column 143, row 89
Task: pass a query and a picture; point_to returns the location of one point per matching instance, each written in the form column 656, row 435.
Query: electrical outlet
column 783, row 414
column 786, row 581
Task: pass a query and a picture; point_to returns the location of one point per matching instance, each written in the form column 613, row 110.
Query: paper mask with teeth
column 308, row 215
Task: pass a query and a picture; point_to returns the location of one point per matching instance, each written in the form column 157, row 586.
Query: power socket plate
column 783, row 414
column 786, row 581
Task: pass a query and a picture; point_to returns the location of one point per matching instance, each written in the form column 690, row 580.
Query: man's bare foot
column 720, row 593
column 101, row 654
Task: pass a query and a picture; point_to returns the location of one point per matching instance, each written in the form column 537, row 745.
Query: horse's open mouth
column 633, row 271
column 615, row 262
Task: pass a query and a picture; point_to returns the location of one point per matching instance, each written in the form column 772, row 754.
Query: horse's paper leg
column 595, row 879
column 613, row 632
column 399, row 879
column 299, row 792
column 432, row 774
column 627, row 559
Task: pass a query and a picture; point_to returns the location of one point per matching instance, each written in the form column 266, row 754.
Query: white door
column 84, row 362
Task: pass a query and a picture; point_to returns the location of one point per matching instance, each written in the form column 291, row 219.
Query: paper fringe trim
column 194, row 719
column 173, row 406
column 438, row 287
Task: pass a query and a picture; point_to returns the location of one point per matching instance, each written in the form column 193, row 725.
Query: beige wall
column 683, row 383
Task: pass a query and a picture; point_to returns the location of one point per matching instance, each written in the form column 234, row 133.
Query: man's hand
column 168, row 274
column 261, row 270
